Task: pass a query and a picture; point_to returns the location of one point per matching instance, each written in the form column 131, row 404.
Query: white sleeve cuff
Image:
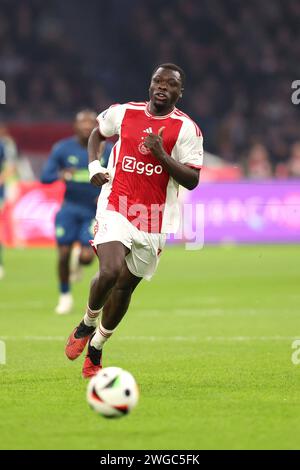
column 95, row 168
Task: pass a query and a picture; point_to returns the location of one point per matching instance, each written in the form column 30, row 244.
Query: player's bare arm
column 95, row 146
column 184, row 175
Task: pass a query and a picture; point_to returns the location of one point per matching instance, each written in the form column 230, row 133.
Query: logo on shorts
column 131, row 165
column 96, row 227
column 60, row 231
column 101, row 229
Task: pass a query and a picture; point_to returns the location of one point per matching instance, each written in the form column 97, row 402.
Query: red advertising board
column 29, row 219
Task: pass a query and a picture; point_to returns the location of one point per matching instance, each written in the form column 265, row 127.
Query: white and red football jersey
column 139, row 187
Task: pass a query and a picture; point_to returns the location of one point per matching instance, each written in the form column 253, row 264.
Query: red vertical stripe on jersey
column 114, row 155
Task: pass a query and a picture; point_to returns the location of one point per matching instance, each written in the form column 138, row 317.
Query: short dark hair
column 85, row 110
column 171, row 66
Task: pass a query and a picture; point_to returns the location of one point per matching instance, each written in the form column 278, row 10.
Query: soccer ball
column 113, row 392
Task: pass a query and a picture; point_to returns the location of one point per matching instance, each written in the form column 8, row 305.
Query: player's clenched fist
column 98, row 175
column 100, row 179
column 67, row 174
column 154, row 142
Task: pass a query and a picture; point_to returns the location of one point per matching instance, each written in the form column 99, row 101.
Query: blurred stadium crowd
column 240, row 60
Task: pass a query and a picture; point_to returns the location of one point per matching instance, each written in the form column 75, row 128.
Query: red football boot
column 93, row 362
column 77, row 340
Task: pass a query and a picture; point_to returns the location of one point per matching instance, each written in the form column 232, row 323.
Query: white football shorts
column 145, row 248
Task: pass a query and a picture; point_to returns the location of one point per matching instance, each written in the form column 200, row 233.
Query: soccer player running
column 159, row 148
column 74, row 222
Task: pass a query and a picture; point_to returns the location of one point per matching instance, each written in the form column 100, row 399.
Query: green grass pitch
column 208, row 340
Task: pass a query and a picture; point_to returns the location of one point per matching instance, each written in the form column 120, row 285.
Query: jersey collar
column 165, row 116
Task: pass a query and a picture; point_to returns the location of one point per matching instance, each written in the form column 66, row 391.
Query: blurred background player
column 74, row 222
column 8, row 169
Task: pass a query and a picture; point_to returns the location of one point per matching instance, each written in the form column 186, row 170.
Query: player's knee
column 95, row 280
column 86, row 257
column 109, row 275
column 123, row 286
column 123, row 292
column 127, row 282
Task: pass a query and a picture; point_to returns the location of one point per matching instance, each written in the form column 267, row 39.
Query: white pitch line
column 208, row 338
column 200, row 312
column 33, row 338
column 251, row 338
column 161, row 338
column 158, row 338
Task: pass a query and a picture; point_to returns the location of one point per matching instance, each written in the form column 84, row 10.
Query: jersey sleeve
column 52, row 167
column 190, row 145
column 110, row 120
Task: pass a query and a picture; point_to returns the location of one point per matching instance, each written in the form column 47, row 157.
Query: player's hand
column 67, row 174
column 154, row 142
column 100, row 179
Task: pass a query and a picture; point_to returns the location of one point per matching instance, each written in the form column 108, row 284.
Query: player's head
column 167, row 85
column 85, row 121
column 3, row 130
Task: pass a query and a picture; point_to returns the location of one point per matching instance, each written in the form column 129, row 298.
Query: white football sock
column 91, row 316
column 101, row 336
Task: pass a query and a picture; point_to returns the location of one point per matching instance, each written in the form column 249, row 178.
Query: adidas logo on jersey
column 148, row 130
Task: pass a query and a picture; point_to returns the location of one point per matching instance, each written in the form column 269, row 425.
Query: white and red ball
column 113, row 392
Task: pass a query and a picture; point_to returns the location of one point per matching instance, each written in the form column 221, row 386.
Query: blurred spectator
column 294, row 161
column 10, row 148
column 17, row 165
column 240, row 61
column 44, row 72
column 258, row 165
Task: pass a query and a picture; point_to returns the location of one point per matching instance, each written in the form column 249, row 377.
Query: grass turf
column 208, row 340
